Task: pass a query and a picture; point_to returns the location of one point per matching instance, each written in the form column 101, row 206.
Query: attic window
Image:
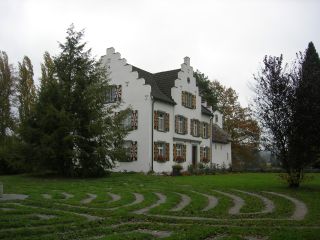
column 188, row 80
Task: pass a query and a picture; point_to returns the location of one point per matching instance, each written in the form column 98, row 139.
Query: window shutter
column 166, row 122
column 174, row 152
column 201, row 129
column 167, row 151
column 209, row 130
column 176, row 123
column 191, row 127
column 193, row 101
column 185, row 125
column 155, row 151
column 134, row 151
column 134, row 119
column 209, row 154
column 118, row 93
column 155, row 120
column 184, row 152
column 201, row 154
column 183, row 98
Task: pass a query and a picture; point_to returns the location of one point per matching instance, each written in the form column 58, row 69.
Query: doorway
column 194, row 155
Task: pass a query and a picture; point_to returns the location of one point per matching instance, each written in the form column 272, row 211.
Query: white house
column 169, row 121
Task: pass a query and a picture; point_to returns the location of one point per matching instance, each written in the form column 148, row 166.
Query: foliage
column 205, row 89
column 240, row 124
column 287, row 105
column 72, row 131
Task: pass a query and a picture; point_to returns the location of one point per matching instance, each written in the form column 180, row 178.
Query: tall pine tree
column 305, row 140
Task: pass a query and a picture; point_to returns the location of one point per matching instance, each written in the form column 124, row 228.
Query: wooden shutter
column 134, row 119
column 174, row 152
column 191, row 127
column 193, row 101
column 167, row 151
column 185, row 122
column 184, row 152
column 176, row 123
column 155, row 151
column 199, row 128
column 209, row 154
column 201, row 154
column 166, row 122
column 134, row 151
column 118, row 93
column 183, row 98
column 209, row 130
column 155, row 120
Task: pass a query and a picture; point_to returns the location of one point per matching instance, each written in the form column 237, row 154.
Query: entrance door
column 194, row 155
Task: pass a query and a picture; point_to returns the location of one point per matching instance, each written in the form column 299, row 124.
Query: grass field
column 136, row 206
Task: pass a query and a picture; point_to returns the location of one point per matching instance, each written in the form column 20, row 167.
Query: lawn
column 136, row 206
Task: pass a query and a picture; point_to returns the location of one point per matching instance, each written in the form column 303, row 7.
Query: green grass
column 22, row 221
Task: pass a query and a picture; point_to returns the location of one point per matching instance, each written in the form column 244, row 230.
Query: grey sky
column 226, row 40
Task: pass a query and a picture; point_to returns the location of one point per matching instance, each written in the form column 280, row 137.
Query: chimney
column 187, row 61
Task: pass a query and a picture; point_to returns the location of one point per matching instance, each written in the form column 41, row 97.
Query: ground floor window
column 205, row 154
column 161, row 151
column 130, row 151
column 179, row 152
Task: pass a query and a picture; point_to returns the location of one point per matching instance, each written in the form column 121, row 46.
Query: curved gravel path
column 269, row 205
column 238, row 202
column 185, row 201
column 138, row 199
column 67, row 195
column 114, row 197
column 89, row 199
column 161, row 199
column 212, row 201
column 300, row 207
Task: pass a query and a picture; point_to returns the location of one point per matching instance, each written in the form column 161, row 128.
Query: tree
column 26, row 89
column 72, row 131
column 205, row 89
column 304, row 147
column 7, row 120
column 7, row 86
column 240, row 124
column 274, row 100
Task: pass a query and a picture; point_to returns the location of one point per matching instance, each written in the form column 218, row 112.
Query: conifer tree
column 305, row 140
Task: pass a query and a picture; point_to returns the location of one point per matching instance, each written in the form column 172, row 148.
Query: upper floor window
column 161, row 121
column 217, row 117
column 114, row 93
column 188, row 100
column 195, row 128
column 181, row 124
column 131, row 120
column 205, row 132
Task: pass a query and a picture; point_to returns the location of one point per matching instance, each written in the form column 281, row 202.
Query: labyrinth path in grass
column 146, row 214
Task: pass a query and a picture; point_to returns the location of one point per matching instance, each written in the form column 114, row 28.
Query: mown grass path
column 136, row 206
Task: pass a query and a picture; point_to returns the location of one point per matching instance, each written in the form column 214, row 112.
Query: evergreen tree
column 206, row 91
column 305, row 140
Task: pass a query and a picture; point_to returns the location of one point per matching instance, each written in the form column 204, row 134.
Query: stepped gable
column 161, row 83
column 219, row 135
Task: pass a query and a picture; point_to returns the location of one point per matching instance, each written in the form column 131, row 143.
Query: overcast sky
column 226, row 40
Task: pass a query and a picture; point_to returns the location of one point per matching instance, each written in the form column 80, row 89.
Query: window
column 195, row 128
column 205, row 130
column 127, row 121
column 179, row 153
column 205, row 154
column 161, row 121
column 217, row 117
column 161, row 151
column 179, row 150
column 188, row 100
column 180, row 124
column 114, row 93
column 130, row 150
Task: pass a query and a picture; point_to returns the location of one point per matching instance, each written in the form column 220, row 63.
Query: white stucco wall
column 135, row 94
column 221, row 154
